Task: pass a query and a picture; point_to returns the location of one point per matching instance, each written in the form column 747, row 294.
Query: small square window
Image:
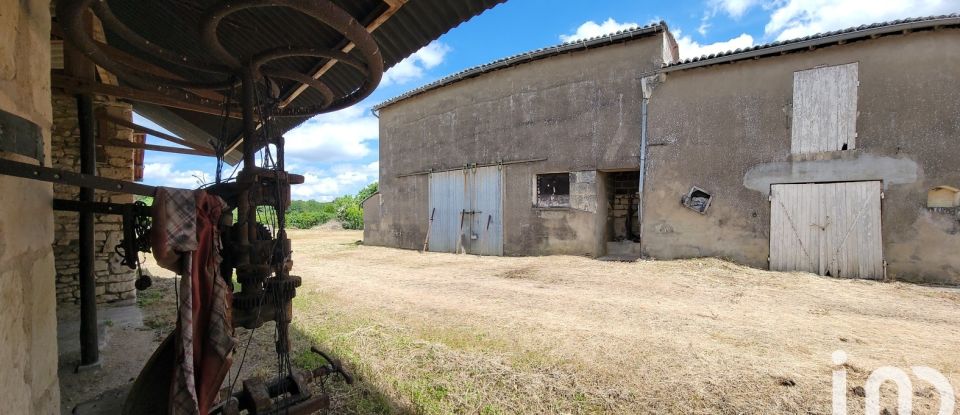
column 553, row 190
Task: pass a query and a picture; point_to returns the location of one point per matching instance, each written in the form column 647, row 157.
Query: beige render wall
column 726, row 129
column 115, row 282
column 580, row 111
column 28, row 325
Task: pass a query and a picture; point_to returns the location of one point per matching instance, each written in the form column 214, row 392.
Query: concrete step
column 622, row 251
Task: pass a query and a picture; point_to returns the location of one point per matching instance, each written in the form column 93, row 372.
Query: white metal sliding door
column 467, row 208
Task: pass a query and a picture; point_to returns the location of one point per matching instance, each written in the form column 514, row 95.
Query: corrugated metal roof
column 818, row 40
column 175, row 25
column 567, row 47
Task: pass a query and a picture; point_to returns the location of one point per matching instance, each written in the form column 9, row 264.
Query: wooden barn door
column 827, row 228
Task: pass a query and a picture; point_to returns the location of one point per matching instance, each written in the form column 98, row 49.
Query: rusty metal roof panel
column 819, row 40
column 567, row 47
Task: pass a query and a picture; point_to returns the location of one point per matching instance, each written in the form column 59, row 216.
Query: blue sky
column 338, row 152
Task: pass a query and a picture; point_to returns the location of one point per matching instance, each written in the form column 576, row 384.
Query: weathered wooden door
column 827, row 228
column 467, row 208
column 825, row 109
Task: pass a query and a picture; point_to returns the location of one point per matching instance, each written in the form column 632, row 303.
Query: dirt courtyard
column 457, row 334
column 443, row 333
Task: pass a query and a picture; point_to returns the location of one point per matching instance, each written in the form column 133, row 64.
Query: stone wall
column 624, row 205
column 727, row 129
column 575, row 113
column 28, row 319
column 624, row 200
column 114, row 281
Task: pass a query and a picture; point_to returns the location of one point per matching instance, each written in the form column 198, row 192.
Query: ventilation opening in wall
column 697, row 200
column 553, row 190
column 943, row 197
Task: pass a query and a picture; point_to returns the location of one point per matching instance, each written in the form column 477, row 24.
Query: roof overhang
column 398, row 27
column 897, row 27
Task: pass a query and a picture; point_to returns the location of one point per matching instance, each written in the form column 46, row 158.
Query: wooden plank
column 152, row 147
column 393, row 7
column 77, row 86
column 824, row 109
column 829, row 228
column 848, row 87
column 141, row 129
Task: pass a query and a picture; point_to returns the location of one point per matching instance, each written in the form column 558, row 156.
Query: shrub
column 305, row 214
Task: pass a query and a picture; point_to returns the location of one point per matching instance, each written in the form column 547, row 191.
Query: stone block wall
column 624, row 201
column 115, row 282
column 28, row 319
column 623, row 205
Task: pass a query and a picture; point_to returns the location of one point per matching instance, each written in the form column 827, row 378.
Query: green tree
column 347, row 209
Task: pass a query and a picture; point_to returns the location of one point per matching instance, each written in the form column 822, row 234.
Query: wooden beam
column 75, row 85
column 394, row 6
column 152, row 147
column 99, row 35
column 131, row 60
column 141, row 129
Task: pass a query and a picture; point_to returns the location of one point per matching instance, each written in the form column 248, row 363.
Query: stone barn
column 534, row 154
column 834, row 154
column 816, row 155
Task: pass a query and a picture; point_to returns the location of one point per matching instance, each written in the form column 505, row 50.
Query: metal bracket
column 47, row 174
column 20, row 136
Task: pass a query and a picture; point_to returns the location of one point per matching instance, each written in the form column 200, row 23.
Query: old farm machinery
column 254, row 244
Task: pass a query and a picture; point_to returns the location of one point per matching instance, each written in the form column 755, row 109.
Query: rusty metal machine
column 255, row 245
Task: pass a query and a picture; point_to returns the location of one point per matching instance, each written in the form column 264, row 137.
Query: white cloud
column 592, row 29
column 690, row 48
column 415, row 65
column 704, row 24
column 790, row 19
column 733, row 8
column 338, row 136
column 325, row 185
column 164, row 174
column 797, row 18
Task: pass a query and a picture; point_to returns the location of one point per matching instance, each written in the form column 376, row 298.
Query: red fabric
column 204, row 335
column 210, row 365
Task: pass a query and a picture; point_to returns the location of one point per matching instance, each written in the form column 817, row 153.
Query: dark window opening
column 844, row 147
column 553, row 190
column 697, row 199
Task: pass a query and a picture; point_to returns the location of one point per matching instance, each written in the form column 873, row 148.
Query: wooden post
column 426, row 240
column 80, row 67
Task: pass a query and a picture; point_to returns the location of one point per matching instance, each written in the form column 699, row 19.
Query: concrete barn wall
column 726, row 129
column 28, row 337
column 371, row 216
column 115, row 282
column 580, row 110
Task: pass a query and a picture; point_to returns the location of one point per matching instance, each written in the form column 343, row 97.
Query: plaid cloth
column 186, row 240
column 174, row 232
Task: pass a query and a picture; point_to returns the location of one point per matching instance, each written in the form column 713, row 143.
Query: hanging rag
column 185, row 239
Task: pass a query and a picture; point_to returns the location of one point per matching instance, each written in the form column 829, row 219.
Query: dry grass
column 441, row 333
